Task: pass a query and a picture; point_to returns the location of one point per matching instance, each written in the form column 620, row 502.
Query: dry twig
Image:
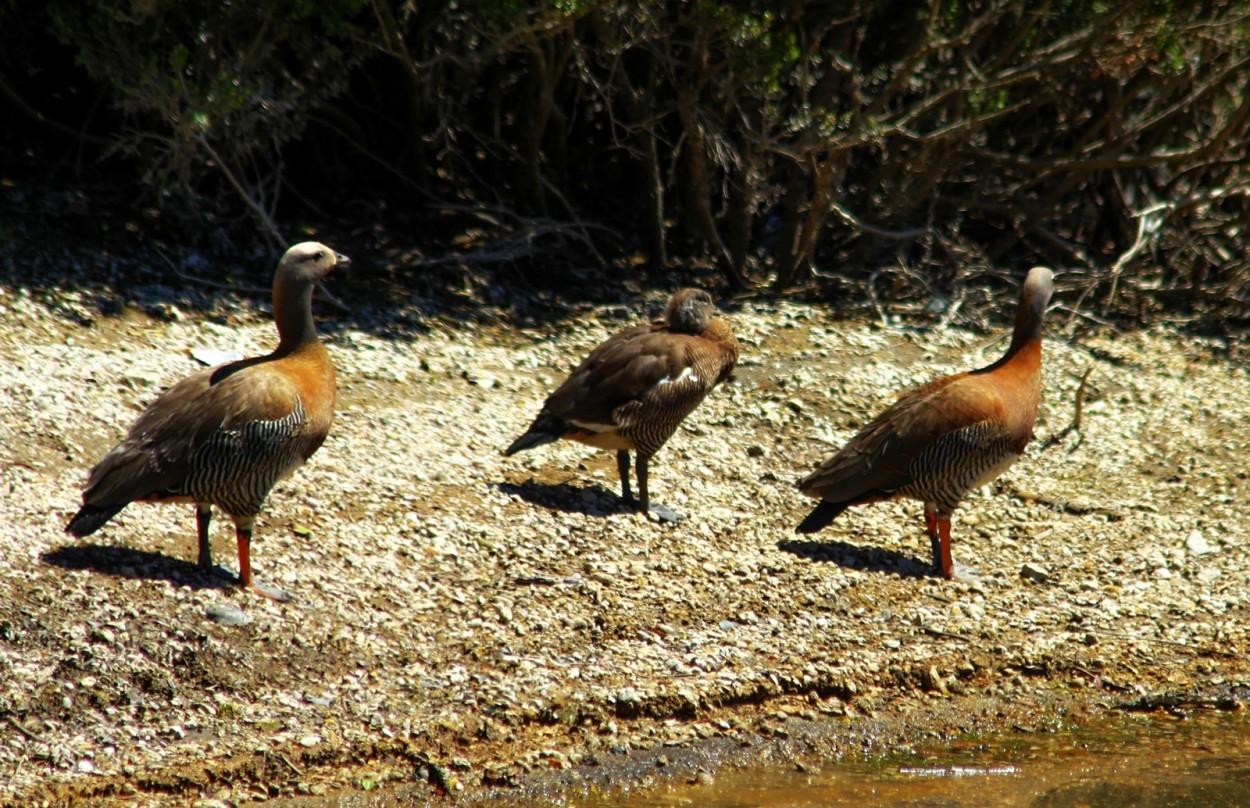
column 1075, row 425
column 17, row 725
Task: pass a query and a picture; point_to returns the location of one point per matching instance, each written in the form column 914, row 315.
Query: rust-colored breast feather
column 312, row 373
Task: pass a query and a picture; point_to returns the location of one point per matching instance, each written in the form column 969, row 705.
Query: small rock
column 139, row 379
column 480, row 378
column 227, row 614
column 1034, row 572
column 310, row 740
column 933, row 680
column 1081, row 504
column 1197, row 544
column 212, row 356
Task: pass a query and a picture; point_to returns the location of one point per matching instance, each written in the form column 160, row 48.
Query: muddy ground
column 502, row 627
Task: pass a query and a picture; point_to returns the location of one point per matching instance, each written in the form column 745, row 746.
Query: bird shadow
column 591, row 500
column 873, row 559
column 124, row 562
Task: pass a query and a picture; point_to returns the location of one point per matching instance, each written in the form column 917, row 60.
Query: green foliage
column 210, row 86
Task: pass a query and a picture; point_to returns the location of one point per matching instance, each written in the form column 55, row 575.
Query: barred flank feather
column 953, row 464
column 235, row 468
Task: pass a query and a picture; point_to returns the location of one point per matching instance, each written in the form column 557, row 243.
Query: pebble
column 1197, row 544
column 1034, row 572
column 441, row 585
column 212, row 356
column 227, row 614
column 481, row 379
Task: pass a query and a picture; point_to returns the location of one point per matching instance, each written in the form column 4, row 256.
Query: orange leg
column 930, row 523
column 941, row 539
column 243, row 535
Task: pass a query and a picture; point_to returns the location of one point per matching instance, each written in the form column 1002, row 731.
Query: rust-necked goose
column 227, row 434
column 939, row 441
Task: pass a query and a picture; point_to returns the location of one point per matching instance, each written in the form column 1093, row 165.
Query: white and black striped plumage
column 635, row 388
column 939, row 441
column 226, row 435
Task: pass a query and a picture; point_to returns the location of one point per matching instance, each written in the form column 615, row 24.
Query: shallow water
column 1142, row 761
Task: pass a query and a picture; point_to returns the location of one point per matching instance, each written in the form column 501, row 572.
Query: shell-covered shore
column 467, row 622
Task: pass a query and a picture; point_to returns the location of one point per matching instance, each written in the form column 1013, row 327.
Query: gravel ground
column 482, row 622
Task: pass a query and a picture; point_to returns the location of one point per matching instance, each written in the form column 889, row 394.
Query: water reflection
column 1143, row 761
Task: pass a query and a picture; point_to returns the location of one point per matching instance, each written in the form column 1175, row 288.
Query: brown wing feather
column 876, row 462
column 156, row 454
column 618, row 371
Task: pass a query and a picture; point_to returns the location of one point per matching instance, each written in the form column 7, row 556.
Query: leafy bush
column 926, row 142
column 212, row 91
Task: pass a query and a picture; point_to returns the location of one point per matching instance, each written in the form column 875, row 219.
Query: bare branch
column 859, row 224
column 1075, row 425
column 270, row 226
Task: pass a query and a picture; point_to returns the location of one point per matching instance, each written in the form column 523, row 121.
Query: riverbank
column 474, row 623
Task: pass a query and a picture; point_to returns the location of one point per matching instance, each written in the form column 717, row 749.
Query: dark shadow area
column 86, row 269
column 591, row 500
column 868, row 559
column 460, row 198
column 123, row 562
column 93, row 245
